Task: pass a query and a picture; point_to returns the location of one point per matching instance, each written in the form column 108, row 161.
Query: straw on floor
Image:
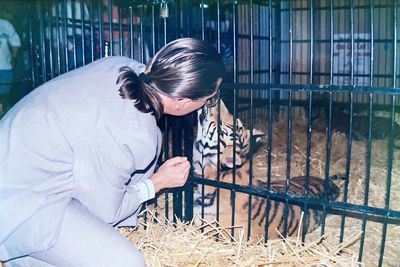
column 183, row 244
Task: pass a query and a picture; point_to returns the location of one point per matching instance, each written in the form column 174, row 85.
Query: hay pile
column 337, row 161
column 357, row 181
column 376, row 198
column 298, row 157
column 182, row 244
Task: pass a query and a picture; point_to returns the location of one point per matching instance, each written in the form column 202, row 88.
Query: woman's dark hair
column 184, row 68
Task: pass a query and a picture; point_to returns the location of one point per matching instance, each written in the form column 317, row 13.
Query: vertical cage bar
column 153, row 30
column 369, row 144
column 346, row 185
column 235, row 97
column 352, row 42
column 269, row 161
column 32, row 48
column 382, row 24
column 372, row 33
column 308, row 159
column 329, row 130
column 348, row 156
column 187, row 131
column 289, row 159
column 394, row 43
column 368, row 166
column 327, row 160
column 58, row 37
column 177, row 127
column 164, row 20
column 251, row 17
column 202, row 169
column 234, row 29
column 270, row 48
column 277, row 49
column 218, row 158
column 188, row 152
column 155, row 39
column 110, row 27
column 311, row 78
column 42, row 50
column 290, row 42
column 270, row 110
column 65, row 33
column 72, row 24
column 50, row 38
column 391, row 135
column 189, row 119
column 131, row 40
column 331, row 43
column 309, row 124
column 83, row 35
column 202, row 20
column 121, row 29
column 92, row 36
column 100, row 29
column 349, row 149
column 218, row 26
column 144, row 57
column 389, row 167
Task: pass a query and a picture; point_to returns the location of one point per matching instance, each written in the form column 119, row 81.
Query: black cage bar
column 333, row 64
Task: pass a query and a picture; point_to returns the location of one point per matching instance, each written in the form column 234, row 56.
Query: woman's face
column 183, row 106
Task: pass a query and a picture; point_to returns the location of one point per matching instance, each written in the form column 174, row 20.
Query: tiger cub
column 205, row 148
column 281, row 218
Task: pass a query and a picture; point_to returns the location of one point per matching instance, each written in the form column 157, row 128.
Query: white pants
column 85, row 241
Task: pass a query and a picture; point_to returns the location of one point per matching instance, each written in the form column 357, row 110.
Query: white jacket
column 72, row 137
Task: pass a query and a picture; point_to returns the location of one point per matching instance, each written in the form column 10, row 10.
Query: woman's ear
column 181, row 103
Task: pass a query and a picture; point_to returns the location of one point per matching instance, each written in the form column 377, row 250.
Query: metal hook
column 164, row 11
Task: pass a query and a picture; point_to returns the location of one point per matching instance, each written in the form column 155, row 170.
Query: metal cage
column 286, row 60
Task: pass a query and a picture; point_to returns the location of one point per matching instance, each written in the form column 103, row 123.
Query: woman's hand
column 173, row 173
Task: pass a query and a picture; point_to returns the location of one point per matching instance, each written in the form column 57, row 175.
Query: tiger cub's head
column 229, row 136
column 218, row 150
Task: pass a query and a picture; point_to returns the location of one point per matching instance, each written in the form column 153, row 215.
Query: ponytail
column 184, row 68
column 141, row 89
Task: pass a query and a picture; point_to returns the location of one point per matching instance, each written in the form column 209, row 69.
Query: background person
column 9, row 44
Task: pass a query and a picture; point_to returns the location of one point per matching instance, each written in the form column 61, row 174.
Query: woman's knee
column 86, row 241
column 121, row 254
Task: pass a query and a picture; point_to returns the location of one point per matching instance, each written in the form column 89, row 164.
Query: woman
column 78, row 155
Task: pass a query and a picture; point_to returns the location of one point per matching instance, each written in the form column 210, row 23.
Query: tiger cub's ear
column 257, row 135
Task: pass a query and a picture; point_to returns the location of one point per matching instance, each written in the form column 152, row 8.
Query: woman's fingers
column 173, row 173
column 176, row 161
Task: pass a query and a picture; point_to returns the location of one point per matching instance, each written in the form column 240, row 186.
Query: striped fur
column 205, row 149
column 205, row 162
